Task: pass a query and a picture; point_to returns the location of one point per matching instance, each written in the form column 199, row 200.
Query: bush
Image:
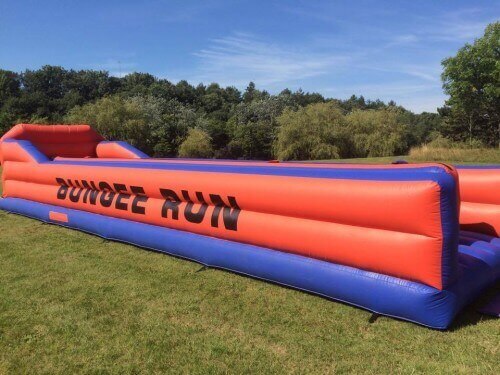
column 446, row 150
column 431, row 152
column 198, row 144
column 318, row 131
column 438, row 141
column 321, row 131
column 378, row 132
column 152, row 124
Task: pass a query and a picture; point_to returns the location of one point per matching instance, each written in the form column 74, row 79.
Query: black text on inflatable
column 104, row 193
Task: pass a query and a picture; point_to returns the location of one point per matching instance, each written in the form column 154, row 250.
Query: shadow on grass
column 470, row 316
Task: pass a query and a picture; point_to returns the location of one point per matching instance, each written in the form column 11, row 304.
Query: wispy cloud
column 426, row 72
column 244, row 57
column 401, row 40
column 461, row 25
column 402, row 63
column 458, row 26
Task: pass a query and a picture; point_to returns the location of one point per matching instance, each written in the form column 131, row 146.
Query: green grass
column 71, row 302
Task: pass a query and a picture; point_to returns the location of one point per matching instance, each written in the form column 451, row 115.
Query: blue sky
column 379, row 49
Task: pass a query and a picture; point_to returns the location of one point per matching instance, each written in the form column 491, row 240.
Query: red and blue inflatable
column 383, row 237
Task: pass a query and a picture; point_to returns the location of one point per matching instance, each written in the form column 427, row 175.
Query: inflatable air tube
column 384, row 238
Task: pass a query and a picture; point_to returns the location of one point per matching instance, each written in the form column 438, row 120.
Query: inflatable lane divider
column 118, row 150
column 255, row 205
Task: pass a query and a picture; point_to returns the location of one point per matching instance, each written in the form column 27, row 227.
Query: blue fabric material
column 375, row 292
column 489, row 252
column 130, row 148
column 31, row 149
column 483, row 237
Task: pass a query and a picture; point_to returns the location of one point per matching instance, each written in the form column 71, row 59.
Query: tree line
column 207, row 121
column 167, row 119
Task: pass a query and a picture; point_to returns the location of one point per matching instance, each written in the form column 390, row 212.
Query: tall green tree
column 116, row 118
column 253, row 127
column 472, row 80
column 198, row 144
column 10, row 85
column 154, row 125
column 318, row 131
column 156, row 115
column 380, row 132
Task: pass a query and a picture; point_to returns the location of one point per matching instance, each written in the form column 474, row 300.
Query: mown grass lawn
column 71, row 302
column 426, row 154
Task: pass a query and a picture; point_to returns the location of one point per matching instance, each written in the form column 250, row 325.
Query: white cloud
column 119, row 73
column 401, row 40
column 403, row 66
column 240, row 58
column 463, row 25
column 427, row 72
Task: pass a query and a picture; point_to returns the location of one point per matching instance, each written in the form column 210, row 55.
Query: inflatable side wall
column 480, row 199
column 385, row 238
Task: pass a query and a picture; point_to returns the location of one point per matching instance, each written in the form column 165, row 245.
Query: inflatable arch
column 382, row 237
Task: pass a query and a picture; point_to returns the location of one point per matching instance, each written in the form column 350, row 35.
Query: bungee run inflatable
column 386, row 238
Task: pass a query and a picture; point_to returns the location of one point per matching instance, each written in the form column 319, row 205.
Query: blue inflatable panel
column 34, row 152
column 379, row 293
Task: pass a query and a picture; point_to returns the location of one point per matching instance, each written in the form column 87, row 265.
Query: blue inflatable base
column 479, row 265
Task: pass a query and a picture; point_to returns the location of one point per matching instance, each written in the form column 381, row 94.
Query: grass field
column 71, row 302
column 430, row 154
column 454, row 155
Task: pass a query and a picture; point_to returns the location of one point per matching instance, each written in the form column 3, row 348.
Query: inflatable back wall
column 50, row 141
column 385, row 238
